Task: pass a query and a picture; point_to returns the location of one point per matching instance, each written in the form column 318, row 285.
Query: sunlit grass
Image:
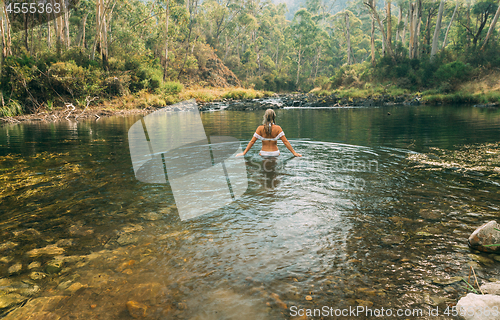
column 11, row 109
column 369, row 91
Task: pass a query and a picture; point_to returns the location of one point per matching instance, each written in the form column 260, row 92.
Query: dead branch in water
column 87, row 101
column 68, row 105
column 10, row 120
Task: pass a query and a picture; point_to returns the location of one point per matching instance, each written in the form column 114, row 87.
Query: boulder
column 486, row 235
column 473, row 302
column 136, row 309
column 491, row 287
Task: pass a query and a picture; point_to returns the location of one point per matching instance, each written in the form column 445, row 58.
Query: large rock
column 486, row 235
column 491, row 287
column 473, row 302
column 10, row 300
column 136, row 309
column 50, row 250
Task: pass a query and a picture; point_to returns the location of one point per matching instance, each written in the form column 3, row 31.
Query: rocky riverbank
column 308, row 101
column 277, row 101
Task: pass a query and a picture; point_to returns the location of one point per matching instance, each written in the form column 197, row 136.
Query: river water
column 376, row 214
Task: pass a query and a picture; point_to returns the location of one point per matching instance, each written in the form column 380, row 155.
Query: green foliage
column 455, row 71
column 172, row 87
column 11, row 109
column 265, row 49
column 69, row 78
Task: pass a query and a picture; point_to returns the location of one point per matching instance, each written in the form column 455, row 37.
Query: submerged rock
column 392, row 239
column 136, row 309
column 37, row 309
column 484, row 236
column 446, row 281
column 27, row 235
column 10, row 300
column 6, row 259
column 7, row 245
column 15, row 268
column 79, row 229
column 54, row 266
column 127, row 239
column 51, row 250
column 475, row 302
column 151, row 216
column 64, row 243
column 35, row 275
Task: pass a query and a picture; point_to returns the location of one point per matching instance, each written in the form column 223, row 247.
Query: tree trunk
column 371, row 5
column 449, row 26
column 60, row 23
column 437, row 30
column 403, row 35
column 80, row 40
column 415, row 30
column 5, row 29
column 104, row 42
column 101, row 38
column 427, row 38
column 165, row 67
column 49, row 34
column 400, row 17
column 298, row 67
column 416, row 46
column 372, row 41
column 25, row 22
column 66, row 24
column 468, row 22
column 348, row 39
column 318, row 55
column 8, row 40
column 389, row 25
column 98, row 34
column 492, row 27
column 411, row 28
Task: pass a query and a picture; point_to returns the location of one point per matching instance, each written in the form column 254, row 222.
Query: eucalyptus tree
column 481, row 12
column 437, row 30
column 304, row 31
column 492, row 27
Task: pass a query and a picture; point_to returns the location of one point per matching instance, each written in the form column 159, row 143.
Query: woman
column 269, row 133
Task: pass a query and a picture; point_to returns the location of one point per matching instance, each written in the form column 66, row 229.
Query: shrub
column 117, row 86
column 172, row 87
column 13, row 108
column 453, row 72
column 67, row 77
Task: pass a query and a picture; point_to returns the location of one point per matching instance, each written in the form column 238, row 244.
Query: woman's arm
column 249, row 146
column 289, row 147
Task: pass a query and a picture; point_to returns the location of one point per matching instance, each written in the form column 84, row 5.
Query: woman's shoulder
column 277, row 128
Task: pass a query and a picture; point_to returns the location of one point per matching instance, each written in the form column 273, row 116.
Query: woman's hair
column 269, row 117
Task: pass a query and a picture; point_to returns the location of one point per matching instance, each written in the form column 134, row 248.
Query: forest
column 111, row 48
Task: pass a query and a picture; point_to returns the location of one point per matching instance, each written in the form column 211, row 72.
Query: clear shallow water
column 376, row 213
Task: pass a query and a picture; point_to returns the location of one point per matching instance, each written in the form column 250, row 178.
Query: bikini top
column 281, row 134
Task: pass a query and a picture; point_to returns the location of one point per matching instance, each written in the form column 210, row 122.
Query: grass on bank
column 145, row 99
column 366, row 91
column 172, row 93
column 480, row 90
